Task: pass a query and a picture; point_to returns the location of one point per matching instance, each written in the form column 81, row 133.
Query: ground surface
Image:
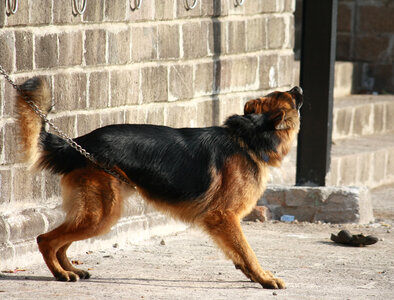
column 188, row 266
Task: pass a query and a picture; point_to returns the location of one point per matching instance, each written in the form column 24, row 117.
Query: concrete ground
column 187, row 265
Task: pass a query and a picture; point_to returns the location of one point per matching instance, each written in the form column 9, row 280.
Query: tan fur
column 29, row 122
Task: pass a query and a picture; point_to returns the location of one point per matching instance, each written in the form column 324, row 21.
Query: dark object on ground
column 357, row 240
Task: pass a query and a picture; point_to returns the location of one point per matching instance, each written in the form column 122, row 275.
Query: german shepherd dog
column 210, row 177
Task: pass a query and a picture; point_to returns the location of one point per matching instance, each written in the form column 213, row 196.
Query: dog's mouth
column 297, row 93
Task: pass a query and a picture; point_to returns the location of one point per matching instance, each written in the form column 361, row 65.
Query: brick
column 136, row 115
column 345, row 17
column 116, row 10
column 333, row 175
column 155, row 115
column 66, row 124
column 254, row 7
column 116, row 117
column 348, row 170
column 94, row 13
column 256, row 36
column 46, row 51
column 124, row 87
column 25, row 225
column 217, row 38
column 390, row 164
column 370, row 47
column 26, row 185
column 380, row 163
column 5, row 183
column 204, row 79
column 7, row 41
column 95, row 44
column 63, row 13
column 21, row 17
column 362, row 121
column 182, row 12
column 195, row 42
column 164, row 10
column 223, row 75
column 268, row 71
column 52, row 186
column 9, row 104
column 180, row 82
column 144, row 43
column 209, row 8
column 70, row 48
column 154, row 87
column 389, row 117
column 119, row 47
column 285, row 76
column 343, row 122
column 364, row 172
column 244, row 73
column 181, row 116
column 69, row 91
column 12, row 149
column 207, row 113
column 168, row 41
column 1, row 150
column 276, row 32
column 229, row 105
column 98, row 90
column 375, row 19
column 24, row 55
column 87, row 123
column 378, row 117
column 42, row 15
column 4, row 235
column 269, row 6
column 236, row 37
column 146, row 12
column 289, row 5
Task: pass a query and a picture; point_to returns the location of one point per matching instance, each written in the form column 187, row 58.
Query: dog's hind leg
column 53, row 246
column 225, row 229
column 92, row 200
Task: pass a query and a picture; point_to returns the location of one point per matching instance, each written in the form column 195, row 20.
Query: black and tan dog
column 210, row 177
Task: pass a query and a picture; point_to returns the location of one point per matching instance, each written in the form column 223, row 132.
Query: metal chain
column 59, row 132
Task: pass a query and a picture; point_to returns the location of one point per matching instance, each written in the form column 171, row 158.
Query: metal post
column 316, row 78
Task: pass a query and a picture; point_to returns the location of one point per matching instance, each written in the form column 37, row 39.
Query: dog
column 210, row 177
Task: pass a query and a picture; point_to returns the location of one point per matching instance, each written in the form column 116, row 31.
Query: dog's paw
column 82, row 274
column 273, row 283
column 66, row 276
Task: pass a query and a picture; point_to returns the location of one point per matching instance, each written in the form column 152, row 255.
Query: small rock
column 162, row 243
column 275, row 293
column 116, row 245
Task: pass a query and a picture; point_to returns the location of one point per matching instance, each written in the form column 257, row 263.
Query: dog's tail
column 42, row 150
column 30, row 123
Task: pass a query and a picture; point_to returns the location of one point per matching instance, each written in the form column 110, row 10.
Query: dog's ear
column 253, row 107
column 279, row 120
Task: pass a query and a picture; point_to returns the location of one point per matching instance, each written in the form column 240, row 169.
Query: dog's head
column 281, row 107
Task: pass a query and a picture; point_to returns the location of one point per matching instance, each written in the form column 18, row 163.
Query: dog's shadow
column 175, row 283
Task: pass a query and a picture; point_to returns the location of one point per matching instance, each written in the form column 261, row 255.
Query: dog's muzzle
column 297, row 93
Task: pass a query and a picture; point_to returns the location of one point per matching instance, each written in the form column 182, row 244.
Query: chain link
column 59, row 132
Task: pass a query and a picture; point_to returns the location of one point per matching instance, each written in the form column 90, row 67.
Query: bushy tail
column 42, row 149
column 30, row 124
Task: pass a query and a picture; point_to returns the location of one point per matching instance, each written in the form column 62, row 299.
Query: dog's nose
column 296, row 90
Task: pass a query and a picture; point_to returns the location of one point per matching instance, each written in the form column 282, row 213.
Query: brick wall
column 365, row 36
column 161, row 64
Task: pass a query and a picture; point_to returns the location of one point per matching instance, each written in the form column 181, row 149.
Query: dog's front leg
column 226, row 231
